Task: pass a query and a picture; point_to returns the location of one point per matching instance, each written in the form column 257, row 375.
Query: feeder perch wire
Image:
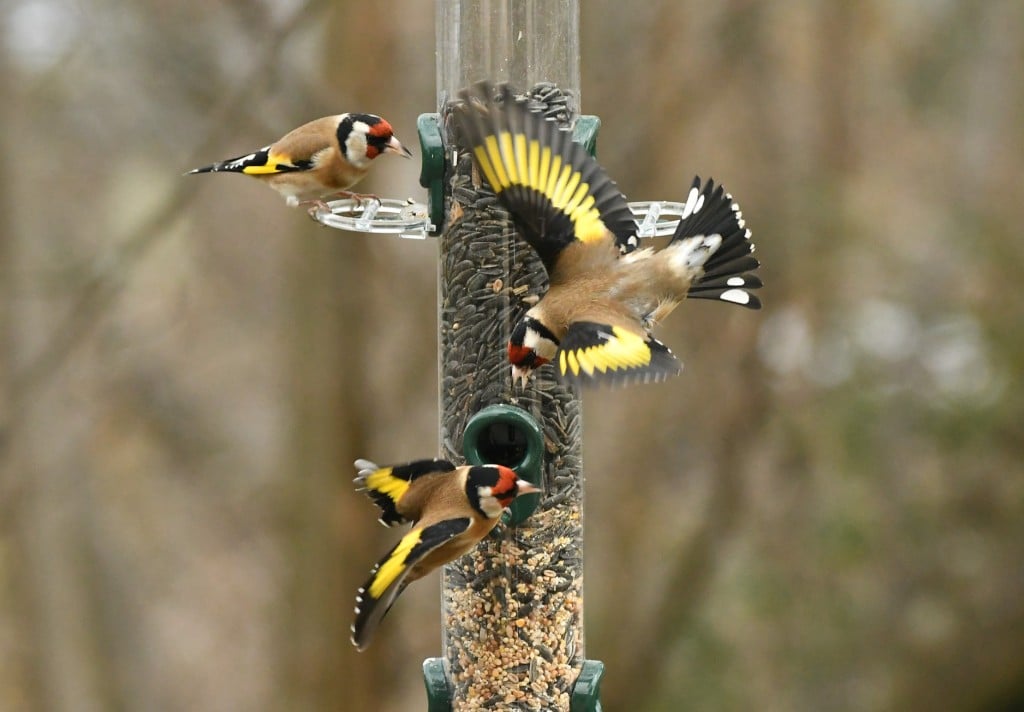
column 386, row 216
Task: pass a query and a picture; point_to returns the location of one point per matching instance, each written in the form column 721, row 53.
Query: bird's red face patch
column 382, row 129
column 505, row 490
column 517, row 354
column 378, row 136
column 524, row 356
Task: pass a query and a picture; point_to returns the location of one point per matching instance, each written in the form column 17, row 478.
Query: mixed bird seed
column 513, row 607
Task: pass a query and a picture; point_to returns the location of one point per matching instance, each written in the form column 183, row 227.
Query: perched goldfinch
column 320, row 159
column 451, row 508
column 605, row 294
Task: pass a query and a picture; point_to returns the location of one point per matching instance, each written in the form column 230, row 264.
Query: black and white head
column 363, row 137
column 491, row 488
column 531, row 345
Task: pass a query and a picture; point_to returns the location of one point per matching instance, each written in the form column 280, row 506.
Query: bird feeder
column 512, row 609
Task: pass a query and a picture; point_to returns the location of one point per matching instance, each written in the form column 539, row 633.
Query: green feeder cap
column 506, row 435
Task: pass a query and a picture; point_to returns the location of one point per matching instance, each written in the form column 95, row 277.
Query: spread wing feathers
column 727, row 272
column 555, row 191
column 262, row 162
column 387, row 485
column 388, row 578
column 605, row 354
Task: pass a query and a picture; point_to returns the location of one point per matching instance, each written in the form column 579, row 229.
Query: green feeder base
column 439, row 694
column 585, row 693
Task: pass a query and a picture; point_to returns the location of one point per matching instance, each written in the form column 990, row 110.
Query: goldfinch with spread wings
column 321, row 159
column 451, row 508
column 606, row 294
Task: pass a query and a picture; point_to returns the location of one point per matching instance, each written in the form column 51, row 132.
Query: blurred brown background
column 825, row 512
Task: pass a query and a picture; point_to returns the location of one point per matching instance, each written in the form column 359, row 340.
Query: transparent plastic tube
column 512, row 610
column 522, row 41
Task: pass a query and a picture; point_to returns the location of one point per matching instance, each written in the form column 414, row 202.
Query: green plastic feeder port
column 506, row 435
column 428, row 126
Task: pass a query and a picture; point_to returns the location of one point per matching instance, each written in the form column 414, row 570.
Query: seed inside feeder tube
column 510, row 633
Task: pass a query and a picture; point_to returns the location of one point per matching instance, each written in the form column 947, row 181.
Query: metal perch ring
column 378, row 215
column 386, row 216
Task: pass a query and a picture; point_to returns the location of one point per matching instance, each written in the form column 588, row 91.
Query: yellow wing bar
column 621, row 350
column 602, row 353
column 275, row 163
column 393, row 566
column 383, row 481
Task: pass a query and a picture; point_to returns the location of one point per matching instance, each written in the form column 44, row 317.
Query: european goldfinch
column 605, row 294
column 451, row 508
column 320, row 159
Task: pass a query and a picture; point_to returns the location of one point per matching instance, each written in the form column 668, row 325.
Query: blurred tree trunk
column 329, row 528
column 15, row 686
column 328, row 408
column 44, row 488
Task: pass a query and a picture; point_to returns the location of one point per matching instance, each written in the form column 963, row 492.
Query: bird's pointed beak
column 524, row 487
column 395, row 146
column 520, row 374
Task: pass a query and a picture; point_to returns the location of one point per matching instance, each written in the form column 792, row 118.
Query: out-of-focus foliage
column 826, row 511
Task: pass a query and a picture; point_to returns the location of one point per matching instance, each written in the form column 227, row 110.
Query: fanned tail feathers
column 728, row 270
column 387, row 485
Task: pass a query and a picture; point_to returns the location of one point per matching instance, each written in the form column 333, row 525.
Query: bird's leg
column 320, row 204
column 360, row 198
column 315, row 207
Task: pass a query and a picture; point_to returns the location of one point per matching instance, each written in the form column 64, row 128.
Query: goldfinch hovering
column 451, row 508
column 605, row 294
column 323, row 158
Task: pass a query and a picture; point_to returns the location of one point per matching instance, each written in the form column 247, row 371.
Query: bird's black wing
column 554, row 190
column 259, row 163
column 387, row 485
column 602, row 354
column 387, row 579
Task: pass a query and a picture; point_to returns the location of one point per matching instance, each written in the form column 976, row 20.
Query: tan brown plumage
column 605, row 294
column 317, row 160
column 451, row 508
